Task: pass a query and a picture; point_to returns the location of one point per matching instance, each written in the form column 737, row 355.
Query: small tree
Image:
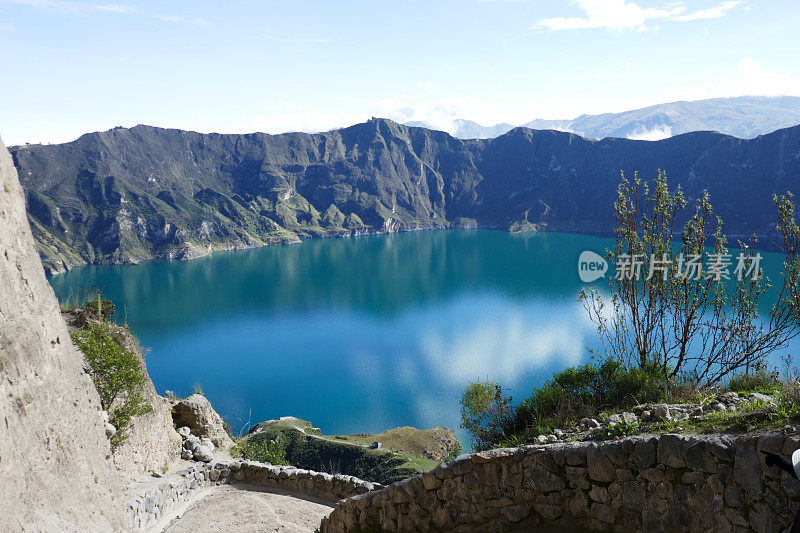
column 485, row 413
column 668, row 309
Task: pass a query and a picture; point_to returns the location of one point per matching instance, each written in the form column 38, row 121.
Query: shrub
column 486, row 413
column 583, row 390
column 263, row 450
column 454, row 453
column 117, row 374
column 99, row 308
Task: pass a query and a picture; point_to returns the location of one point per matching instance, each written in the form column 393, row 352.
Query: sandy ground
column 248, row 508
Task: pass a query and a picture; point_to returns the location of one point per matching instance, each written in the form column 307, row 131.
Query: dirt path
column 248, row 508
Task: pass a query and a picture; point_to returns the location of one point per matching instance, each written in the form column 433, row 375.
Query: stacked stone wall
column 653, row 483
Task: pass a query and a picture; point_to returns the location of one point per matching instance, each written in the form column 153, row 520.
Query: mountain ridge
column 126, row 195
column 744, row 117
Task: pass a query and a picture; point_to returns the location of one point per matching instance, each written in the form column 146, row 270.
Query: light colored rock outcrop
column 196, row 413
column 56, row 470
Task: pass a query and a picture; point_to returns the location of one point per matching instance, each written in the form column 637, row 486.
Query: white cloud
column 74, row 8
column 438, row 113
column 655, row 133
column 712, row 12
column 750, row 78
column 619, row 15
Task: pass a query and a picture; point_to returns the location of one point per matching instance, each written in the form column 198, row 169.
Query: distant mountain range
column 745, row 117
column 126, row 195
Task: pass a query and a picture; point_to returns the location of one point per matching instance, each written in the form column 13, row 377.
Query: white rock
column 110, row 430
column 208, row 444
column 592, row 423
column 184, row 432
column 191, row 443
column 203, row 453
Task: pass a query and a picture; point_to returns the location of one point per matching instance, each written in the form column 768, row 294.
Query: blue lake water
column 360, row 334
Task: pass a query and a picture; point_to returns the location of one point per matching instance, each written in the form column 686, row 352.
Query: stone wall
column 56, row 470
column 147, row 507
column 656, row 483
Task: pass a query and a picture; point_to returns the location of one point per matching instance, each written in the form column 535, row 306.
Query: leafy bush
column 486, row 413
column 570, row 395
column 99, row 308
column 623, row 428
column 454, row 453
column 583, row 390
column 262, row 450
column 117, row 374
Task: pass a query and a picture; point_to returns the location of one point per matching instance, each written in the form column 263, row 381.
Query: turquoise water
column 360, row 334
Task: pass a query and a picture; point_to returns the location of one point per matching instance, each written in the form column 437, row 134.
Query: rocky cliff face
column 126, row 195
column 56, row 470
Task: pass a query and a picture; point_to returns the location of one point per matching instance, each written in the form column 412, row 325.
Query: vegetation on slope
column 298, row 443
column 116, row 371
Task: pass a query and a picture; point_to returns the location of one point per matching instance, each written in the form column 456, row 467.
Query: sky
column 72, row 67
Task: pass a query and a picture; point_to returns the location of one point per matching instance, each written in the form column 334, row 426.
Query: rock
column 186, row 454
column 614, row 419
column 747, row 469
column 660, row 413
column 670, row 451
column 644, row 453
column 729, row 398
column 191, row 443
column 603, row 513
column 516, row 513
column 558, row 433
column 592, row 423
column 202, row 453
column 110, row 430
column 541, row 439
column 600, row 467
column 757, row 396
column 208, row 443
column 184, row 432
column 196, row 413
column 698, row 458
column 552, row 438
